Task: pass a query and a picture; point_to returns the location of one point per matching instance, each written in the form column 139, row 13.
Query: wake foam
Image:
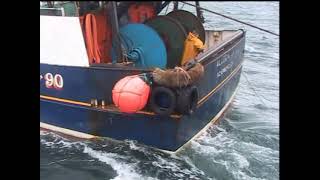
column 227, row 156
column 117, row 162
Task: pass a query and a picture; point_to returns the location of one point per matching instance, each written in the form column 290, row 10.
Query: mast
column 50, row 4
column 199, row 12
column 112, row 10
column 161, row 6
column 176, row 4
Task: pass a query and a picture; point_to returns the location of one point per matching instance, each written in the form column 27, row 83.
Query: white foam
column 233, row 154
column 250, row 48
column 241, row 160
column 125, row 171
column 168, row 164
column 233, row 162
column 178, row 171
column 193, row 167
column 58, row 141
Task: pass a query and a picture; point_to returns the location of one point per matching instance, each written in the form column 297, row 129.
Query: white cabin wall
column 62, row 42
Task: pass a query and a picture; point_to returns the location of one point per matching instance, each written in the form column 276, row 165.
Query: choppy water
column 245, row 145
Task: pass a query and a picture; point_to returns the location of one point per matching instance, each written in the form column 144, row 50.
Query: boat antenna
column 228, row 17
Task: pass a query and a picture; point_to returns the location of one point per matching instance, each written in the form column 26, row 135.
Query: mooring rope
column 228, row 17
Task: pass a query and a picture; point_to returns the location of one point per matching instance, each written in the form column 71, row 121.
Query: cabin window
column 59, row 8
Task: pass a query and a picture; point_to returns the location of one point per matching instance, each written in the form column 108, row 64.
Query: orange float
column 98, row 37
column 130, row 94
column 138, row 13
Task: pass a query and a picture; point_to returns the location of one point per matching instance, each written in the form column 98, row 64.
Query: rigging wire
column 182, row 6
column 231, row 18
column 255, row 92
column 167, row 7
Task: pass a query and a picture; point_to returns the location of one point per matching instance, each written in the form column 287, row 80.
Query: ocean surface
column 244, row 145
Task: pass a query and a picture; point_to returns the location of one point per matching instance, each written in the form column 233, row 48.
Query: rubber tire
column 187, row 100
column 161, row 110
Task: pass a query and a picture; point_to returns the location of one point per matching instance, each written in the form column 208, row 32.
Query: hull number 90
column 53, row 81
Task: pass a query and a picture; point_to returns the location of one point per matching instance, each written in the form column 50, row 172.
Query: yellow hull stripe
column 202, row 100
column 65, row 100
column 89, row 105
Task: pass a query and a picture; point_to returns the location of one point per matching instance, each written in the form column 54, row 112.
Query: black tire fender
column 158, row 94
column 187, row 100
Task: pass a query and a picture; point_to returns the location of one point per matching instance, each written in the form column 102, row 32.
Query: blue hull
column 70, row 108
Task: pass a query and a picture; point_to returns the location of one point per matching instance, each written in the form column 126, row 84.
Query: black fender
column 187, row 100
column 162, row 100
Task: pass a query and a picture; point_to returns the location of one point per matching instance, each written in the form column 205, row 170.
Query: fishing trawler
column 120, row 70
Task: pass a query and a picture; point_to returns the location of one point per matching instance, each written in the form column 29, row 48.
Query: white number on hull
column 51, row 81
column 58, row 81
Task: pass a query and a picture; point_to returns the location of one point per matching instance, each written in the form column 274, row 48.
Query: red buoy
column 130, row 94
